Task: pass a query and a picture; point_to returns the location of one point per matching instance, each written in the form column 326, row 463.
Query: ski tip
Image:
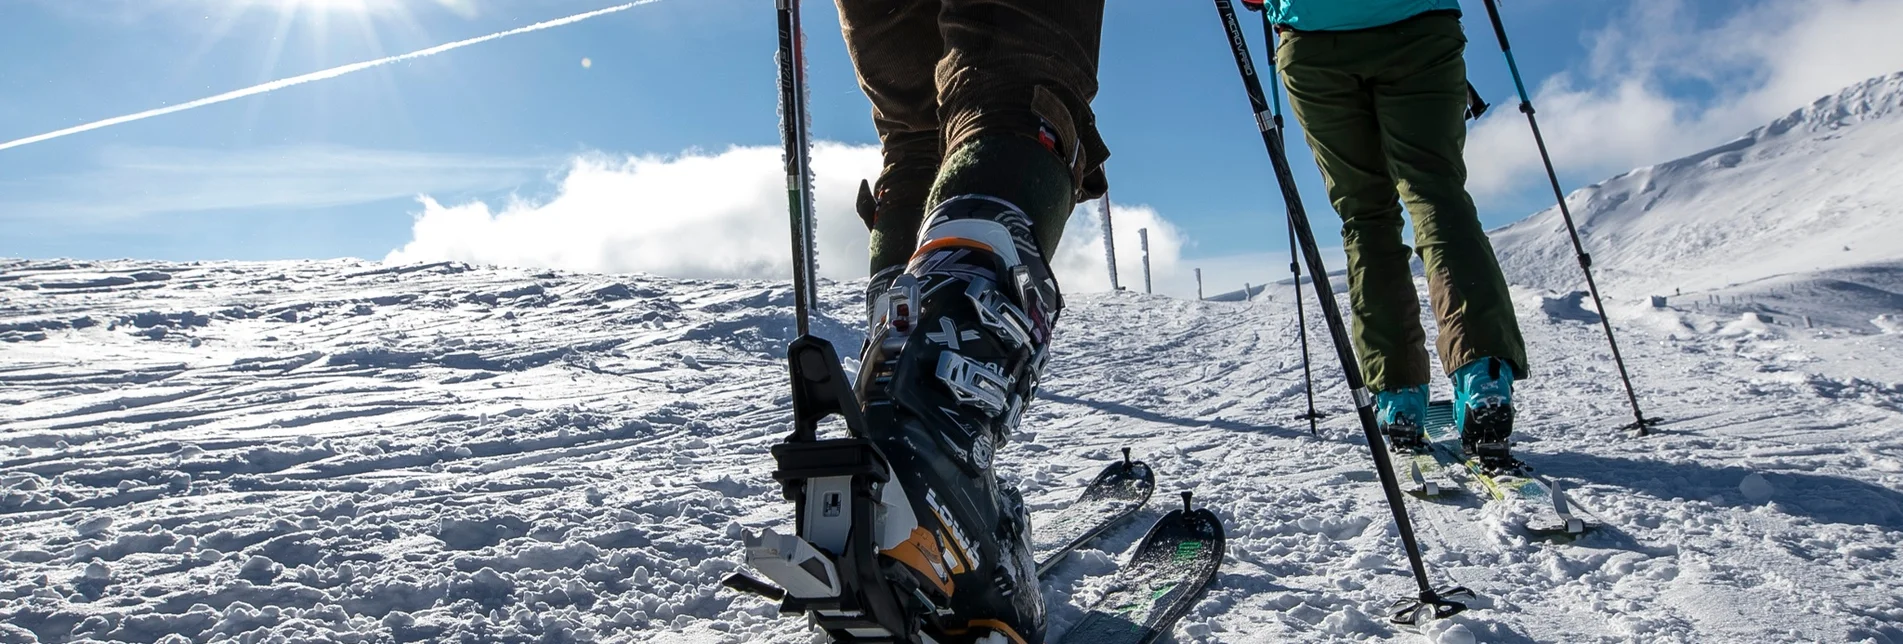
column 1126, row 456
column 1187, row 496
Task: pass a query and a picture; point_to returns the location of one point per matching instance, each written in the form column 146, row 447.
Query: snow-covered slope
column 348, row 452
column 1819, row 189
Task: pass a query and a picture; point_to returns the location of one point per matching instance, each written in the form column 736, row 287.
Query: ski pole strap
column 1275, row 73
column 1475, row 105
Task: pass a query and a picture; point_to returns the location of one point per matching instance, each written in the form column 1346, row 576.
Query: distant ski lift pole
column 1143, row 241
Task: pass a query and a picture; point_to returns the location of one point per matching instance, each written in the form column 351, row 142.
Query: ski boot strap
column 999, row 228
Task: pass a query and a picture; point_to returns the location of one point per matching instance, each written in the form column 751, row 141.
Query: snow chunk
column 260, row 570
column 94, row 526
column 1756, row 488
column 1749, row 324
column 1456, row 634
column 93, row 581
column 1889, row 322
column 486, row 587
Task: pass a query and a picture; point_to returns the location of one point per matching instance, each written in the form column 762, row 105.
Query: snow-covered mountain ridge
column 352, row 452
column 1817, row 190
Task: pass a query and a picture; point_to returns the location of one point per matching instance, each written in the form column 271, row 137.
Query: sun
column 320, row 21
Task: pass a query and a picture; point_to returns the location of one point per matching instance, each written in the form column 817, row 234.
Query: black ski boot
column 1402, row 415
column 952, row 357
column 1483, row 411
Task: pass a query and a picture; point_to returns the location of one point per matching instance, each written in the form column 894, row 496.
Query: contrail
column 319, row 75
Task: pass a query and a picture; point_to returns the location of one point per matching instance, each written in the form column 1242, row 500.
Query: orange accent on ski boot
column 946, row 242
column 990, row 624
column 964, row 560
column 920, row 552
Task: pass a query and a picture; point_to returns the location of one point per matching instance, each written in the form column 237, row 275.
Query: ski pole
column 1640, row 423
column 1294, row 263
column 796, row 137
column 1439, row 604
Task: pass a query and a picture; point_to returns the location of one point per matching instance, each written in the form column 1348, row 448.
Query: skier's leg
column 1421, row 98
column 1018, row 76
column 1331, row 99
column 895, row 49
column 960, row 338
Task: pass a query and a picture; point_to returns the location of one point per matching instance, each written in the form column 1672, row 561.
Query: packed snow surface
column 351, row 452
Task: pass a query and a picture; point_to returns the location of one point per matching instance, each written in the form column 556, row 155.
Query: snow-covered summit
column 1816, row 190
column 1870, row 100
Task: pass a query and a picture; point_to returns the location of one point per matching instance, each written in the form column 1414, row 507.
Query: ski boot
column 953, row 355
column 1483, row 411
column 1402, row 414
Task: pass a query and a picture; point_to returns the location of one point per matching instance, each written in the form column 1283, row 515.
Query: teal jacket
column 1337, row 15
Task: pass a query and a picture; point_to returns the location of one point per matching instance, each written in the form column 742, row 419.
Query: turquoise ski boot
column 1401, row 414
column 1483, row 411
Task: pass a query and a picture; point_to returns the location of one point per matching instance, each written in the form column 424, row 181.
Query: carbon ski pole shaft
column 1294, row 263
column 1640, row 423
column 1301, row 320
column 1437, row 603
column 796, row 136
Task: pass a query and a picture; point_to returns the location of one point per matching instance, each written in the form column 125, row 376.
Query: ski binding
column 848, row 509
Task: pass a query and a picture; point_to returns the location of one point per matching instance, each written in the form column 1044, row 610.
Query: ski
column 1114, row 496
column 1515, row 485
column 1170, row 570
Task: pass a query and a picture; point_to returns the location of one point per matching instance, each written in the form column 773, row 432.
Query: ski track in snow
column 343, row 451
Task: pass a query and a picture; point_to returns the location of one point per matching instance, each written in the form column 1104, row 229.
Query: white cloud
column 1080, row 263
column 708, row 215
column 694, row 215
column 1629, row 106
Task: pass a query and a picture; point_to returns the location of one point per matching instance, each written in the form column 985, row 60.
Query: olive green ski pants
column 1383, row 109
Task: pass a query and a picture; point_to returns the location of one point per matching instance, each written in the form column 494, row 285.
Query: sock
column 1016, row 169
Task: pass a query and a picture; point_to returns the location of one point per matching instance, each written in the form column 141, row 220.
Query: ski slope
column 352, row 452
column 1818, row 190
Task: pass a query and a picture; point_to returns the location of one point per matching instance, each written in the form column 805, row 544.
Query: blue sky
column 670, row 119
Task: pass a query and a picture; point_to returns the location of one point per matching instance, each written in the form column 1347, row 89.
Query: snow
column 1816, row 190
column 346, row 451
column 443, row 452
